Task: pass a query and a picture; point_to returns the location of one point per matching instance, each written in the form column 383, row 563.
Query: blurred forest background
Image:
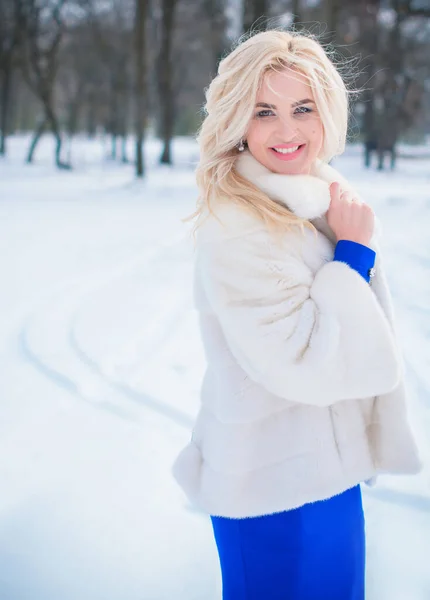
column 101, row 356
column 125, row 68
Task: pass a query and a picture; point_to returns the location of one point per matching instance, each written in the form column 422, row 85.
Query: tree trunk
column 91, row 116
column 74, row 110
column 123, row 125
column 36, row 137
column 10, row 44
column 5, row 100
column 140, row 84
column 165, row 83
column 295, row 10
column 113, row 116
column 333, row 10
column 50, row 119
column 59, row 141
column 39, row 67
column 72, row 122
column 113, row 146
column 252, row 11
column 124, row 158
column 369, row 36
column 5, row 104
column 54, row 125
column 216, row 15
column 261, row 9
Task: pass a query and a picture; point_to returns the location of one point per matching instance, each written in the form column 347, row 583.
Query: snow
column 100, row 367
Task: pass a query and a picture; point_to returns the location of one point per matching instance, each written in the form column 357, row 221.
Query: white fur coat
column 303, row 395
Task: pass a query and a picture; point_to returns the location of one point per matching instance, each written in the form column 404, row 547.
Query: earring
column 241, row 146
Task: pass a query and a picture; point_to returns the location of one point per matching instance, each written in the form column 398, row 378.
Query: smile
column 286, row 150
column 288, row 153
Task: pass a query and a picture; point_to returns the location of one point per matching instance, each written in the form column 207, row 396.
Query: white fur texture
column 303, row 396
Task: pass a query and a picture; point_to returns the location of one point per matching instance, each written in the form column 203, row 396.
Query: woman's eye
column 265, row 113
column 303, row 110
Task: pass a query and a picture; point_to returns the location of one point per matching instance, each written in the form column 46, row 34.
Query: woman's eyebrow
column 304, row 101
column 265, row 105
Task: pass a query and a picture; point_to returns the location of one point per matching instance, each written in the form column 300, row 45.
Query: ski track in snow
column 91, row 511
column 88, row 380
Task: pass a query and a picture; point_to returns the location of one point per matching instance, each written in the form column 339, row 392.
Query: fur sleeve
column 311, row 338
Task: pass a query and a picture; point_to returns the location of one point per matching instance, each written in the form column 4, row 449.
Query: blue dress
column 314, row 552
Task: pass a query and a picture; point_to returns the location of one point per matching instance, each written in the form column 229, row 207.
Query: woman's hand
column 348, row 218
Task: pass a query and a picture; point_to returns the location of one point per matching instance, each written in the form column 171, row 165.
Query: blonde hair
column 230, row 103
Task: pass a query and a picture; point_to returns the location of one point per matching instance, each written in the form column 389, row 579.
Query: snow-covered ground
column 100, row 366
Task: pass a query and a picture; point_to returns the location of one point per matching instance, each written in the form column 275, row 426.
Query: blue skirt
column 315, row 552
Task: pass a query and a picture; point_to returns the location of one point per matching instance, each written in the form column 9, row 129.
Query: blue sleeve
column 358, row 257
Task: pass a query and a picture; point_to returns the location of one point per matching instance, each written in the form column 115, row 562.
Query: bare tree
column 11, row 21
column 165, row 79
column 44, row 28
column 295, row 11
column 216, row 14
column 255, row 13
column 112, row 28
column 332, row 8
column 140, row 81
column 392, row 96
column 77, row 77
column 197, row 48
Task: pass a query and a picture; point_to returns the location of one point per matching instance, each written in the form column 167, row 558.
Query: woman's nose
column 288, row 129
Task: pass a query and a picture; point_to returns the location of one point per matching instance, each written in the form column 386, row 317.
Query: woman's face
column 286, row 133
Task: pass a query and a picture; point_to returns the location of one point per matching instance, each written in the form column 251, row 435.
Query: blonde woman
column 303, row 398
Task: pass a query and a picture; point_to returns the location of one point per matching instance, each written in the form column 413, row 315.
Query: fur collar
column 307, row 196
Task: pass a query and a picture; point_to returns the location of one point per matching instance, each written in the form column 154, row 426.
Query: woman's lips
column 289, row 155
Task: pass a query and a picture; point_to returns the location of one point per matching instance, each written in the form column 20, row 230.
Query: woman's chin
column 290, row 169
